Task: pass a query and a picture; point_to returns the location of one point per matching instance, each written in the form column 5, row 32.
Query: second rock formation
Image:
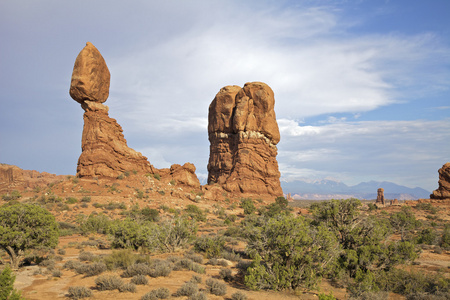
column 243, row 134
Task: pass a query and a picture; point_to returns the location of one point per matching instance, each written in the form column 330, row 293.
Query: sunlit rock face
column 443, row 192
column 104, row 148
column 243, row 134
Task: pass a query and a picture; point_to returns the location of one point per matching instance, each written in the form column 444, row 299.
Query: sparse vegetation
column 79, row 292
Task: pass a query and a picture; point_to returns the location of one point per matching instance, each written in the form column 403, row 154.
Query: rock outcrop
column 104, row 148
column 243, row 134
column 380, row 196
column 14, row 178
column 185, row 175
column 443, row 192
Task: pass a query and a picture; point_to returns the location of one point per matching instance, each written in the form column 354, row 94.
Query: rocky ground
column 112, row 197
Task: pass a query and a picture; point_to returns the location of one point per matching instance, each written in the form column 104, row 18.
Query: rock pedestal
column 104, row 148
column 243, row 135
column 443, row 192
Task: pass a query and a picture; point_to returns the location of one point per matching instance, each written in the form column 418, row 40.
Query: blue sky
column 361, row 87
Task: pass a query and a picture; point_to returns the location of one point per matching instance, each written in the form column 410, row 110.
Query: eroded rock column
column 243, row 135
column 104, row 148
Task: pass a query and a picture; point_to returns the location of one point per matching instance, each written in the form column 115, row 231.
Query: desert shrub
column 150, row 214
column 427, row 236
column 216, row 287
column 280, row 206
column 71, row 200
column 136, row 269
column 157, row 176
column 108, row 282
column 323, row 296
column 288, row 253
column 198, row 296
column 188, row 264
column 14, row 195
column 56, row 273
column 196, row 279
column 120, row 259
column 48, row 263
column 79, row 292
column 233, row 256
column 91, row 269
column 61, row 251
column 239, row 296
column 427, row 207
column 187, row 289
column 248, row 206
column 195, row 213
column 86, row 256
column 404, row 222
column 139, row 280
column 213, row 247
column 194, row 257
column 160, row 293
column 226, row 274
column 175, row 233
column 71, row 264
column 160, row 268
column 86, row 199
column 130, row 234
column 67, row 228
column 96, row 224
column 128, row 287
column 445, row 238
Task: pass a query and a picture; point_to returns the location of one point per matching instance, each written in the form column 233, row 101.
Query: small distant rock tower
column 380, row 196
column 443, row 192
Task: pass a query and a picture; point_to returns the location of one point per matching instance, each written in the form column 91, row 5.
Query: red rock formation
column 380, row 196
column 185, row 175
column 443, row 192
column 104, row 148
column 243, row 135
column 13, row 177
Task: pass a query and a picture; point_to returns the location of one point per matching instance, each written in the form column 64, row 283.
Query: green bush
column 248, row 206
column 79, row 292
column 96, row 224
column 7, row 290
column 86, row 199
column 213, row 247
column 194, row 212
column 120, row 259
column 445, row 239
column 24, row 227
column 71, row 200
column 427, row 236
column 160, row 268
column 15, row 195
column 289, row 253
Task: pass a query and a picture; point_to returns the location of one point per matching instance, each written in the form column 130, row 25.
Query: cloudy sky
column 361, row 87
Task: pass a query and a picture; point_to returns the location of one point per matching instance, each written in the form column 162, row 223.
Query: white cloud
column 400, row 151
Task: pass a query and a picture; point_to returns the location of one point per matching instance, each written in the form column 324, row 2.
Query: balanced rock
column 90, row 77
column 443, row 192
column 104, row 148
column 243, row 134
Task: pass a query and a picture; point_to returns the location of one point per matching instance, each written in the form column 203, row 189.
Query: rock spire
column 443, row 192
column 243, row 134
column 104, row 148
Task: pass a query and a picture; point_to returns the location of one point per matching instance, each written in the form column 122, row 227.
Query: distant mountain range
column 329, row 189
